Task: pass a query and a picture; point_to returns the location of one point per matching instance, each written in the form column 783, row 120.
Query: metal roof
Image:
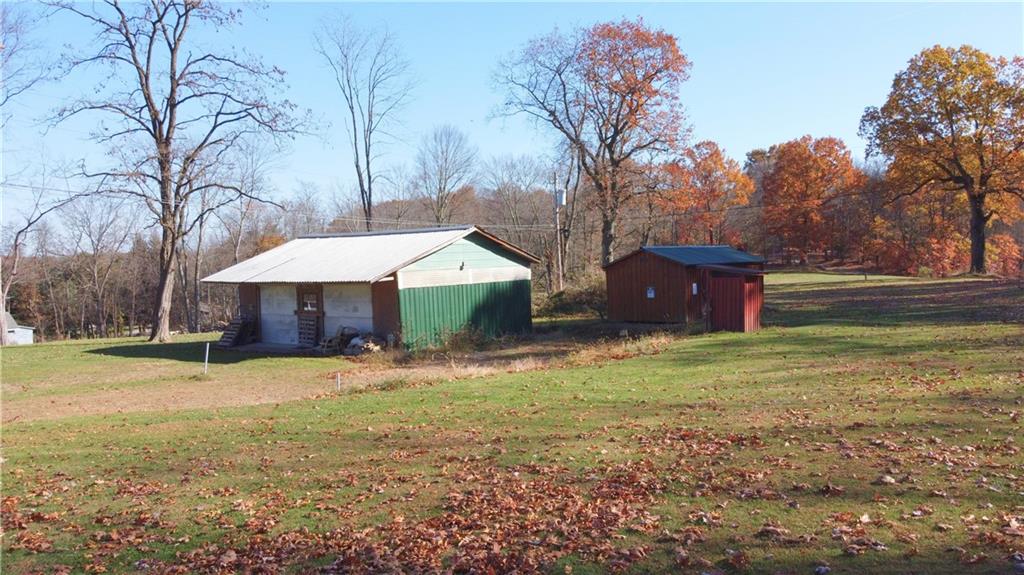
column 13, row 323
column 348, row 258
column 696, row 255
column 699, row 255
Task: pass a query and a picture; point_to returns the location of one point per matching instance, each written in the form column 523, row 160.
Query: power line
column 526, row 227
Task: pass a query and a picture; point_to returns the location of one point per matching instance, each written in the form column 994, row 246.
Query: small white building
column 19, row 334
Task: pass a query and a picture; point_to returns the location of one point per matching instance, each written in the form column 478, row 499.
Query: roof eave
column 625, row 257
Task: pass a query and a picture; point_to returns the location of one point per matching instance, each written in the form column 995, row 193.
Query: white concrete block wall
column 278, row 322
column 347, row 304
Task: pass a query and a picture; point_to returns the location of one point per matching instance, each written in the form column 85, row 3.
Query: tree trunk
column 607, row 238
column 4, row 340
column 182, row 261
column 161, row 328
column 978, row 222
column 196, row 295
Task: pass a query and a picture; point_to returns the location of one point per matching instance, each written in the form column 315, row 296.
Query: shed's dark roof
column 700, row 255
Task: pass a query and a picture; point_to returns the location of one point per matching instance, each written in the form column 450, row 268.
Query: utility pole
column 559, row 202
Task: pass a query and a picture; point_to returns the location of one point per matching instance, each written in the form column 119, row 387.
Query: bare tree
column 304, row 212
column 16, row 242
column 444, row 165
column 373, row 79
column 567, row 172
column 250, row 170
column 20, row 70
column 399, row 191
column 190, row 260
column 611, row 92
column 175, row 109
column 101, row 229
column 525, row 204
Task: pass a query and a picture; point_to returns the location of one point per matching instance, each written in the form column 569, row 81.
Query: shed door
column 727, row 297
column 311, row 312
column 249, row 304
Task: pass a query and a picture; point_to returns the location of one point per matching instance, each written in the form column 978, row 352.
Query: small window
column 309, row 302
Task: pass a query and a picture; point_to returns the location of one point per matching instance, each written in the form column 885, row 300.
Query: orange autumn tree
column 1005, row 257
column 954, row 120
column 920, row 235
column 611, row 91
column 704, row 185
column 806, row 175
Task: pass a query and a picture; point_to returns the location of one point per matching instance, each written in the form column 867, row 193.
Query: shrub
column 587, row 298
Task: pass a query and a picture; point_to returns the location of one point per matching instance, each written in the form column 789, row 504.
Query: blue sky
column 761, row 73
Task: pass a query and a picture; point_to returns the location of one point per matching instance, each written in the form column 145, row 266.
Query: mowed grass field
column 873, row 427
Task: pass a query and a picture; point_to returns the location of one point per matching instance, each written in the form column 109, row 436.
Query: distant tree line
column 192, row 134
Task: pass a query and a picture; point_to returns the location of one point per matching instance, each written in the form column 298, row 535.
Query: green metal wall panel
column 474, row 252
column 430, row 314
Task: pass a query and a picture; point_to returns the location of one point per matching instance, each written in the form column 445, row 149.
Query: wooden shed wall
column 754, row 301
column 385, row 306
column 627, row 281
column 736, row 301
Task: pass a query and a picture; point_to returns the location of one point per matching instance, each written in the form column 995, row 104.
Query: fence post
column 206, row 359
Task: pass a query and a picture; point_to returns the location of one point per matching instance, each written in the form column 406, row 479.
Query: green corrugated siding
column 429, row 314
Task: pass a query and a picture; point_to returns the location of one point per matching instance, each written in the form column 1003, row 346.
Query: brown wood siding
column 385, row 306
column 311, row 323
column 628, row 280
column 249, row 300
column 249, row 305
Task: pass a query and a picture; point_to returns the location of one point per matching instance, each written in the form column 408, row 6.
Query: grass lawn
column 873, row 427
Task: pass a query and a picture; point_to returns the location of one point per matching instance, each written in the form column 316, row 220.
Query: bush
column 587, row 298
column 465, row 340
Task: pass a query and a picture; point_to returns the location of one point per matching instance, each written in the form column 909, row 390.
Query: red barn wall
column 627, row 281
column 754, row 298
column 736, row 301
column 727, row 292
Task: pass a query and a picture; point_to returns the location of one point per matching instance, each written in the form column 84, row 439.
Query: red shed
column 680, row 284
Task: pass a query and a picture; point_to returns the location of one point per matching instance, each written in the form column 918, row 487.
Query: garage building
column 417, row 286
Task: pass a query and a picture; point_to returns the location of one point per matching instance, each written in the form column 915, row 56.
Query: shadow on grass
column 192, row 352
column 950, row 302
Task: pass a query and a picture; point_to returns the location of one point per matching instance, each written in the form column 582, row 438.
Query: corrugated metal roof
column 346, row 258
column 698, row 255
column 13, row 323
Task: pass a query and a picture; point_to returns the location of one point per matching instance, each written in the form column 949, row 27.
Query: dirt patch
column 546, row 350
